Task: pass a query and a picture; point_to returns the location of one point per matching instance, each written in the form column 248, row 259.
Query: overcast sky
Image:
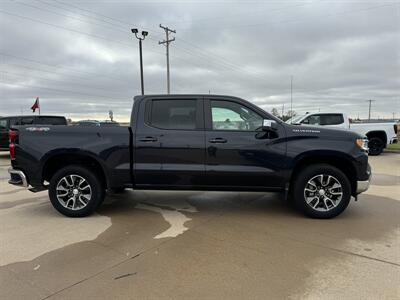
column 81, row 59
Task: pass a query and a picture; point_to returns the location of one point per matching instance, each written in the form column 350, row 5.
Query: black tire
column 77, row 172
column 376, row 146
column 301, row 182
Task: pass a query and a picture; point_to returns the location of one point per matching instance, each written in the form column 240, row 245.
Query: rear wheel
column 321, row 191
column 75, row 191
column 375, row 146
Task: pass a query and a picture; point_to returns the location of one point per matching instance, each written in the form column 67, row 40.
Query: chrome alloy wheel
column 323, row 192
column 73, row 192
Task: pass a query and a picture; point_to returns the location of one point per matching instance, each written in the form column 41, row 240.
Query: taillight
column 396, row 128
column 12, row 135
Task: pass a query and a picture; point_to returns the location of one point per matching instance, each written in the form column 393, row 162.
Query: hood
column 321, row 131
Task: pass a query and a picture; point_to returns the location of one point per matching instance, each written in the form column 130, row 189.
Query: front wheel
column 321, row 191
column 75, row 191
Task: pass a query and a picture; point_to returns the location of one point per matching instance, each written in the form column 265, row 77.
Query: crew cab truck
column 378, row 134
column 191, row 142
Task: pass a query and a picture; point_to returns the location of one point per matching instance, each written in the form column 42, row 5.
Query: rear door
column 169, row 142
column 239, row 155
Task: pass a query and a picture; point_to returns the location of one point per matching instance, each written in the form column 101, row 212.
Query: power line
column 48, row 71
column 56, row 80
column 65, row 28
column 303, row 20
column 166, row 42
column 64, row 15
column 95, row 13
column 63, row 67
column 53, row 89
column 231, row 66
column 74, row 11
column 219, row 18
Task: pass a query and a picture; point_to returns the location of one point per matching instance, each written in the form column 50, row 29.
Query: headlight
column 362, row 144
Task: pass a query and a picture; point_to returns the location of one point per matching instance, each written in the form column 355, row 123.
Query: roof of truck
column 184, row 95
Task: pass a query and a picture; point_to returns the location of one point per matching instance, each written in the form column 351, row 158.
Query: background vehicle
column 379, row 134
column 183, row 142
column 97, row 123
column 7, row 122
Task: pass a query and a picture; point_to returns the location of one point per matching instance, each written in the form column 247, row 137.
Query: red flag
column 35, row 105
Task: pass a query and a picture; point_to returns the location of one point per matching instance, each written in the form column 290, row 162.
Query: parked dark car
column 183, row 142
column 7, row 122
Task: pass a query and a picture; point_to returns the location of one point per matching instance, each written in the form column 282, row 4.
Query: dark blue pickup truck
column 191, row 142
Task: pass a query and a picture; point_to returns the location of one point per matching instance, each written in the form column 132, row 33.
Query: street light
column 144, row 34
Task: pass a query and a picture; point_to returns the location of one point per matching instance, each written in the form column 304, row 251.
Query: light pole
column 144, row 34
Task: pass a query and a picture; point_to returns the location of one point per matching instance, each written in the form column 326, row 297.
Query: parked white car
column 378, row 134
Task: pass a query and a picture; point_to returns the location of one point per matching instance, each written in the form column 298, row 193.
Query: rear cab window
column 51, row 121
column 27, row 121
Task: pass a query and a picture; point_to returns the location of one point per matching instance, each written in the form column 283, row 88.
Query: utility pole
column 283, row 109
column 144, row 34
column 166, row 42
column 369, row 110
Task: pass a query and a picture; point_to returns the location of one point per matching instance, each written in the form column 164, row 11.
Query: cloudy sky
column 81, row 59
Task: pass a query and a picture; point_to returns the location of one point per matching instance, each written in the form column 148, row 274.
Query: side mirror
column 269, row 125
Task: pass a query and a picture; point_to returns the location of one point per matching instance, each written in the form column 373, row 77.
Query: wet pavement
column 202, row 245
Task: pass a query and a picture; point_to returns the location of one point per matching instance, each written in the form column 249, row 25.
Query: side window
column 227, row 115
column 173, row 114
column 15, row 121
column 312, row 120
column 332, row 119
column 50, row 121
column 26, row 120
column 3, row 124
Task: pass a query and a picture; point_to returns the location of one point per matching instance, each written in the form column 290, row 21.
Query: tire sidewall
column 90, row 177
column 308, row 173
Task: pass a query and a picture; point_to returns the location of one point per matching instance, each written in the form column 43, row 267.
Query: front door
column 169, row 143
column 239, row 155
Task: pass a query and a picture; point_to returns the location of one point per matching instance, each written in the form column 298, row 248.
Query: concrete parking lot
column 202, row 245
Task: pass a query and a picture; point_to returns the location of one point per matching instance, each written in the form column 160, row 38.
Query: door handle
column 148, row 139
column 218, row 140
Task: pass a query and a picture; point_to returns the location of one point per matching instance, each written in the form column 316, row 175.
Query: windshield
column 294, row 120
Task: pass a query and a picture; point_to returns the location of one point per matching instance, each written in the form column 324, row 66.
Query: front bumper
column 363, row 185
column 18, row 177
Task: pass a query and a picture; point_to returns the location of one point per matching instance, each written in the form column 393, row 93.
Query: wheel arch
column 379, row 134
column 337, row 160
column 54, row 162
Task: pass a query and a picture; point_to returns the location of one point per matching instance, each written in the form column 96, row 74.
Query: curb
column 391, row 151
